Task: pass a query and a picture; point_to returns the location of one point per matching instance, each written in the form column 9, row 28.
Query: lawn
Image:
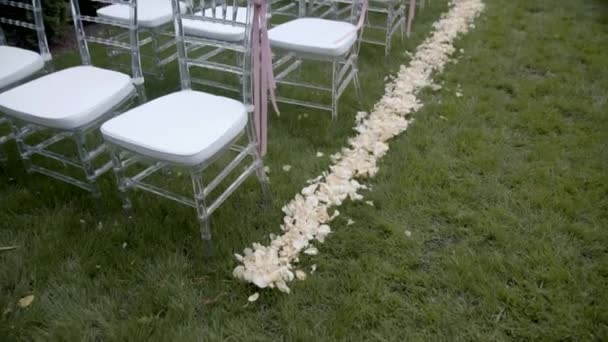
column 504, row 190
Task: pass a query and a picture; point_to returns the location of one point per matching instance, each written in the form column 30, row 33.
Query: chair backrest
column 224, row 12
column 35, row 22
column 131, row 45
column 355, row 13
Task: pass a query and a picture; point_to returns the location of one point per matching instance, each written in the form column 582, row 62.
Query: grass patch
column 504, row 190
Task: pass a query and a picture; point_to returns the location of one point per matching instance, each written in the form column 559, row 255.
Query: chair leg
column 88, row 167
column 22, row 147
column 357, row 85
column 157, row 59
column 262, row 178
column 122, row 180
column 389, row 34
column 201, row 206
column 334, row 90
column 402, row 12
column 257, row 158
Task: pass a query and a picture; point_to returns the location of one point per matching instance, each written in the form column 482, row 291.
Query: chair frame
column 123, row 158
column 35, row 6
column 148, row 36
column 218, row 47
column 344, row 69
column 394, row 10
column 87, row 155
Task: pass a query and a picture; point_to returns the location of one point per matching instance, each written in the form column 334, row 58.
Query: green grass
column 504, row 189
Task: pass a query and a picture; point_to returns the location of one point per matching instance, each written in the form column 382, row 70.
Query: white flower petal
column 311, row 251
column 253, row 297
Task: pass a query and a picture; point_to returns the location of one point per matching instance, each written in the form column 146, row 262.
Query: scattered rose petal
column 350, row 222
column 320, row 154
column 408, row 233
column 313, row 268
column 286, row 168
column 253, row 297
column 311, row 251
column 370, row 203
column 26, row 301
column 300, row 275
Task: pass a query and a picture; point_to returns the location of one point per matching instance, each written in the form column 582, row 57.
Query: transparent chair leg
column 334, row 90
column 157, row 59
column 389, row 36
column 123, row 182
column 257, row 158
column 387, row 50
column 402, row 26
column 263, row 179
column 357, row 85
column 89, row 169
column 201, row 211
column 141, row 92
column 22, row 148
column 298, row 71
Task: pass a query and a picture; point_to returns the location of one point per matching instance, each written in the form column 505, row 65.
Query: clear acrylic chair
column 388, row 17
column 323, row 40
column 219, row 46
column 18, row 65
column 385, row 18
column 155, row 27
column 70, row 104
column 286, row 8
column 190, row 129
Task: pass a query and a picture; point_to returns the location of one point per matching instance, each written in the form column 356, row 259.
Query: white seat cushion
column 314, row 36
column 67, row 99
column 150, row 13
column 218, row 31
column 17, row 64
column 185, row 127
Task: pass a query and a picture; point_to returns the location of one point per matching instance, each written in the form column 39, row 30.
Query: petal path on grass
column 307, row 216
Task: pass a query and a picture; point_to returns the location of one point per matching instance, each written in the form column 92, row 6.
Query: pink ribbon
column 263, row 78
column 410, row 16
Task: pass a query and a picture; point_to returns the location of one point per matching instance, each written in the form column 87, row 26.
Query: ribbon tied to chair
column 263, row 78
column 410, row 16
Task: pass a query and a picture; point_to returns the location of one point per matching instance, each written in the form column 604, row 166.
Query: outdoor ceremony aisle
column 485, row 221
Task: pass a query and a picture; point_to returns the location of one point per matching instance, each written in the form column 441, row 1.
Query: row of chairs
column 186, row 129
